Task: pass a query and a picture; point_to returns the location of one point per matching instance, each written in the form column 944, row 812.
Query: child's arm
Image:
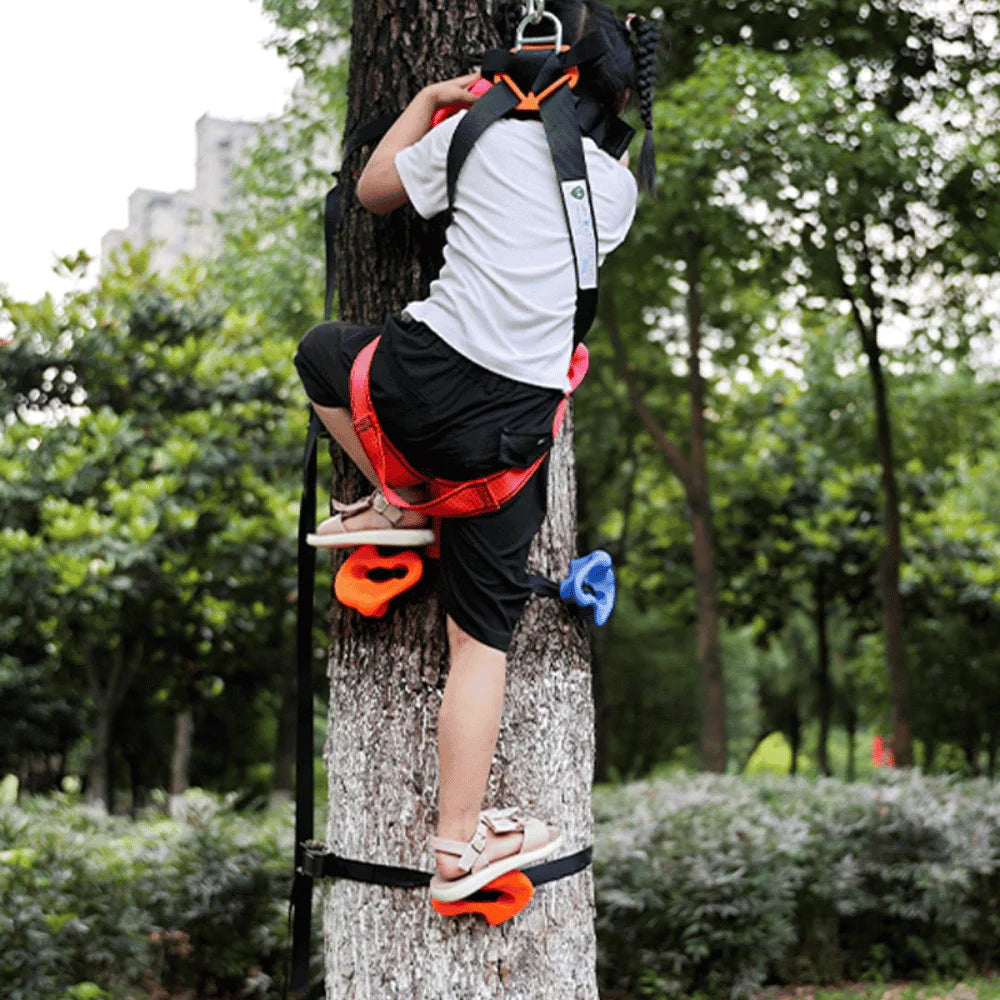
column 380, row 188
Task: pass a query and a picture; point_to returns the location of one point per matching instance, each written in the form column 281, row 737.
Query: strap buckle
column 536, row 12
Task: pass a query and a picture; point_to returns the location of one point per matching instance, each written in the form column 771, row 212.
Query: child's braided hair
column 645, row 41
column 628, row 68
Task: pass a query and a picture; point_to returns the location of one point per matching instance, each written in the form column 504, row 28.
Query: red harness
column 448, row 498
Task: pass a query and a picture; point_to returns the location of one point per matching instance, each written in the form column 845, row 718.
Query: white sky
column 99, row 97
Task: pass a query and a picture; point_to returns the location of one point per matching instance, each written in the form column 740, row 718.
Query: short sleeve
column 615, row 196
column 423, row 168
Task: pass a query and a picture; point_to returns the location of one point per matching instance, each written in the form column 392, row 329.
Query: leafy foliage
column 718, row 885
column 107, row 907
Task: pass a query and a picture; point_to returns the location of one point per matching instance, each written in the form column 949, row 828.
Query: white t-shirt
column 506, row 294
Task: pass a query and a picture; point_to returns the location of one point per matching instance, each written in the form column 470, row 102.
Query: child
column 466, row 382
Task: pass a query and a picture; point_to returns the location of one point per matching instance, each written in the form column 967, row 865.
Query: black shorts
column 451, row 418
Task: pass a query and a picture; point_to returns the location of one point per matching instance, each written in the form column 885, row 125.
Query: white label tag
column 582, row 231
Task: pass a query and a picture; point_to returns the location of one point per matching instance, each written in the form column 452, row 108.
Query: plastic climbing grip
column 480, row 86
column 591, row 583
column 368, row 580
column 498, row 901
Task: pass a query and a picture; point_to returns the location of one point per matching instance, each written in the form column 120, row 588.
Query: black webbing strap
column 542, row 585
column 562, row 128
column 301, row 896
column 565, row 140
column 331, row 223
column 490, row 108
column 318, row 863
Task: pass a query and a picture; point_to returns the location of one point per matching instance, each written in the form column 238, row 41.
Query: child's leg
column 468, row 725
column 337, row 420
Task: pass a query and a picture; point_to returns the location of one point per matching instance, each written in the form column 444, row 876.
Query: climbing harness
column 539, row 79
column 448, row 498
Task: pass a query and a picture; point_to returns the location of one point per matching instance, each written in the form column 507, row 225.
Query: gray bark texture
column 387, row 675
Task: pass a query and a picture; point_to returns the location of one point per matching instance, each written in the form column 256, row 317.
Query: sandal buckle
column 504, row 820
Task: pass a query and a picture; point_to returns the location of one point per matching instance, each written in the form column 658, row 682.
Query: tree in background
column 147, row 487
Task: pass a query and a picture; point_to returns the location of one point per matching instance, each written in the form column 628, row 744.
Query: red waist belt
column 448, row 497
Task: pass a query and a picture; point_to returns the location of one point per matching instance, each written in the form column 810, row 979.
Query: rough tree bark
column 387, row 676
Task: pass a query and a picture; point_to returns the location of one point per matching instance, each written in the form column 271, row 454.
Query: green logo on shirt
column 578, row 192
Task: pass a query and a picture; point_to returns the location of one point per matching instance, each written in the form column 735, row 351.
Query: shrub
column 96, row 906
column 718, row 884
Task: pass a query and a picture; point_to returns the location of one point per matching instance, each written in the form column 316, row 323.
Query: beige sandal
column 539, row 842
column 332, row 535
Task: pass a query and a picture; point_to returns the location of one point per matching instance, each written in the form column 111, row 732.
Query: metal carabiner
column 536, row 12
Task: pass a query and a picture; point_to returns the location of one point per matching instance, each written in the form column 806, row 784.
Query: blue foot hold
column 591, row 583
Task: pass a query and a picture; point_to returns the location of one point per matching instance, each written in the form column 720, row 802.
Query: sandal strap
column 382, row 506
column 468, row 853
column 500, row 821
column 374, row 501
column 445, row 846
column 513, row 820
column 348, row 509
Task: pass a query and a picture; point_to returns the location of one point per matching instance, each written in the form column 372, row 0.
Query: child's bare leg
column 337, row 420
column 468, row 725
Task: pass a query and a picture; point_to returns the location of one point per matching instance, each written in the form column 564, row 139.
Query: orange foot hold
column 369, row 580
column 498, row 901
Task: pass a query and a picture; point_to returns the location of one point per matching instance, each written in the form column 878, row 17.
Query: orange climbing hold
column 369, row 580
column 498, row 901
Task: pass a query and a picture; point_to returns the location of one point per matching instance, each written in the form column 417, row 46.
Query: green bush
column 707, row 884
column 719, row 884
column 96, row 906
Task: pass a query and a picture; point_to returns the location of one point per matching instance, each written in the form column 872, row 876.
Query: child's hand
column 454, row 91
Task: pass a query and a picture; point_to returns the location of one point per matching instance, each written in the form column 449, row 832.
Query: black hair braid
column 508, row 16
column 645, row 42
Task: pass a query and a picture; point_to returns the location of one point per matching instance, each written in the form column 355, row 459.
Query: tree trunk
column 693, row 476
column 282, row 779
column 892, row 555
column 794, row 734
column 387, row 675
column 824, row 693
column 99, row 772
column 892, row 602
column 180, row 759
column 851, row 725
column 713, row 692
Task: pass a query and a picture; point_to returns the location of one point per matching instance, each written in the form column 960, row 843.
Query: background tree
column 150, row 491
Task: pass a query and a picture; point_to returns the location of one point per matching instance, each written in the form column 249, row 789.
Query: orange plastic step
column 368, row 580
column 506, row 897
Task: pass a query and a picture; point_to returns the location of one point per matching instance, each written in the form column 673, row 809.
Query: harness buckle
column 532, row 101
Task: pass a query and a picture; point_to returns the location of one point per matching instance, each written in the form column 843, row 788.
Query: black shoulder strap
column 565, row 139
column 566, row 146
column 490, row 108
